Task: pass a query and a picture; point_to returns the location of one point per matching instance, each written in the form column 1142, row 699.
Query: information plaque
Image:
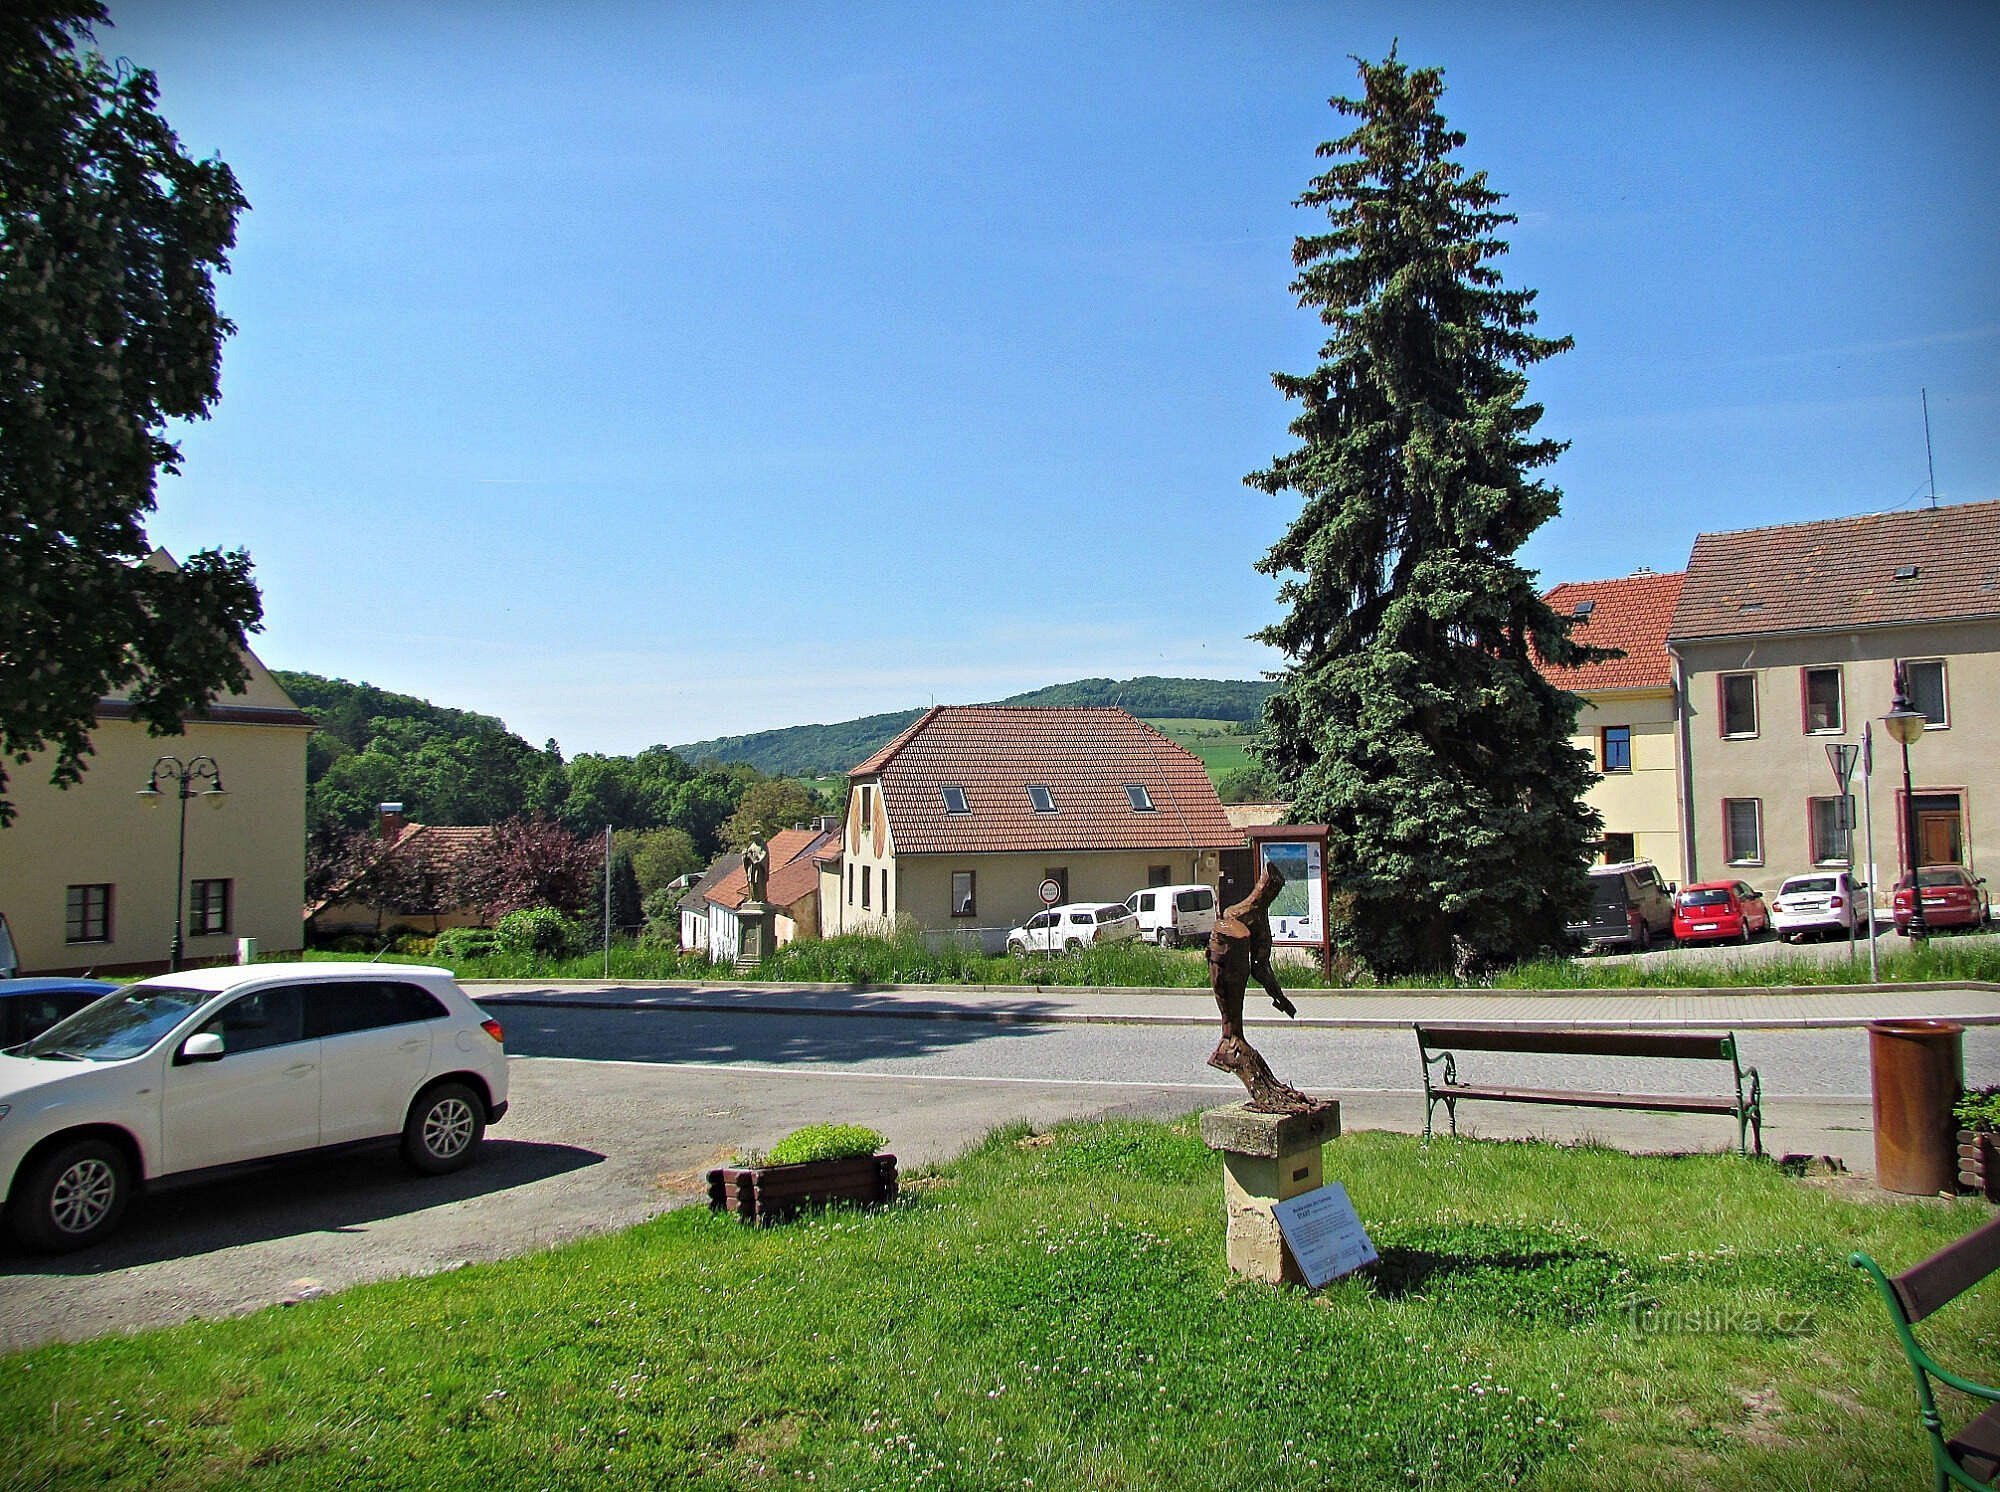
column 1324, row 1234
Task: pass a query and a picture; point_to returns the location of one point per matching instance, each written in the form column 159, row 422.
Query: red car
column 1718, row 911
column 1953, row 897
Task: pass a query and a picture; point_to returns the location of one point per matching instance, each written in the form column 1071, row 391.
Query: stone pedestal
column 1266, row 1158
column 756, row 933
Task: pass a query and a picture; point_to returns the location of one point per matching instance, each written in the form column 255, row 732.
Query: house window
column 1739, row 704
column 867, row 810
column 850, row 885
column 1923, row 686
column 963, row 902
column 87, row 915
column 1619, row 848
column 1040, row 798
column 954, row 798
column 208, row 907
column 1830, row 819
column 1822, row 699
column 1159, row 875
column 885, row 890
column 1138, row 797
column 866, row 876
column 1743, row 830
column 1617, row 748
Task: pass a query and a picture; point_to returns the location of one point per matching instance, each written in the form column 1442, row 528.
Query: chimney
column 393, row 822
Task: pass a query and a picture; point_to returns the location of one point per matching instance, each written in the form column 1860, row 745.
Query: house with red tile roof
column 791, row 890
column 1790, row 639
column 428, row 860
column 1630, row 721
column 955, row 824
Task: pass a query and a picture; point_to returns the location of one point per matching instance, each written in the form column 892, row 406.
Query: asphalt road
column 617, row 1114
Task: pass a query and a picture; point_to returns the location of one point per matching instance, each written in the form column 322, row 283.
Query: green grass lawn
column 1221, row 749
column 1051, row 1313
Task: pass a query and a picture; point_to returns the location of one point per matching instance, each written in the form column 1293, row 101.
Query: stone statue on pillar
column 1239, row 950
column 756, row 869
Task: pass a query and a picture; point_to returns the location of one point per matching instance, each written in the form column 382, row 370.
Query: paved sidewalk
column 1717, row 1009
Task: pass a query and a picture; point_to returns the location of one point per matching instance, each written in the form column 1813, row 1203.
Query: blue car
column 28, row 1007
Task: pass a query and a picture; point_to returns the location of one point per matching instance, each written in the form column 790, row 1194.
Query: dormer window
column 954, row 798
column 1040, row 798
column 1138, row 797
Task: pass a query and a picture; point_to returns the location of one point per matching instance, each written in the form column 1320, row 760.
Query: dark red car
column 1719, row 911
column 1953, row 897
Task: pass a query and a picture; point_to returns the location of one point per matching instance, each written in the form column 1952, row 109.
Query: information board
column 1295, row 914
column 1324, row 1233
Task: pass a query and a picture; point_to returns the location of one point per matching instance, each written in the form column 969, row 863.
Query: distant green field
column 1221, row 750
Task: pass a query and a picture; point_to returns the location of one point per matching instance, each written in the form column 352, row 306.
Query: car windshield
column 1717, row 896
column 117, row 1026
column 1808, row 883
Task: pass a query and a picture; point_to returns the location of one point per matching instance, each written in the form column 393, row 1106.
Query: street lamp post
column 1906, row 724
column 197, row 769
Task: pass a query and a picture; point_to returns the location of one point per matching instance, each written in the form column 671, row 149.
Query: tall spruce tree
column 1411, row 718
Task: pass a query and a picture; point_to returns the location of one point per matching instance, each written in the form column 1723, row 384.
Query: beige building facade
column 87, row 874
column 1789, row 640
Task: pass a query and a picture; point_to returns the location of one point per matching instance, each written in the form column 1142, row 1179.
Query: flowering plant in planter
column 809, row 1167
column 1978, row 1115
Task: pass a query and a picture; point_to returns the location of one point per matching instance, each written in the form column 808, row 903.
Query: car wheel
column 1072, row 945
column 72, row 1197
column 444, row 1129
column 1016, row 947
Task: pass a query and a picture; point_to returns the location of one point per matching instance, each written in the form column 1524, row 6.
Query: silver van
column 1172, row 915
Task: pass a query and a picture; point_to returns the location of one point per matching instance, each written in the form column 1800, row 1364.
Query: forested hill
column 829, row 750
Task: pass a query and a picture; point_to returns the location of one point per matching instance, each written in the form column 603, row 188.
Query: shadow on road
column 665, row 1034
column 290, row 1198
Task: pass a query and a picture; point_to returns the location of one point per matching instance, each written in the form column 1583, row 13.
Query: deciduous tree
column 1411, row 717
column 767, row 807
column 529, row 862
column 110, row 237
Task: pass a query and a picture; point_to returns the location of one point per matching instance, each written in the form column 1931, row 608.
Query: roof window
column 1041, row 798
column 1138, row 797
column 1906, row 572
column 1583, row 610
column 954, row 798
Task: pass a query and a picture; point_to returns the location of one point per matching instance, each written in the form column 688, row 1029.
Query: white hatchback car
column 209, row 1068
column 1065, row 929
column 1825, row 901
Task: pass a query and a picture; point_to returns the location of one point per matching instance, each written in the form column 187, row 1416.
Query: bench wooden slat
column 1949, row 1273
column 1977, row 1446
column 1670, row 1103
column 1575, row 1043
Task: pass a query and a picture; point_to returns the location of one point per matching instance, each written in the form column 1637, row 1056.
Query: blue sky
column 645, row 372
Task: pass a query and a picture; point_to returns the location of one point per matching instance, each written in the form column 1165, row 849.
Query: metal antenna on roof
column 1929, row 464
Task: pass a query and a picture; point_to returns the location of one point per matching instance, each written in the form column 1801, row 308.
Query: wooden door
column 1937, row 837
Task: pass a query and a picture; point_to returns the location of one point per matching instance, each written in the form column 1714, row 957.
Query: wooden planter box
column 1979, row 1164
column 764, row 1194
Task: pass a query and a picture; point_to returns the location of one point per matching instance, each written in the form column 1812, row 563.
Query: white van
column 1172, row 915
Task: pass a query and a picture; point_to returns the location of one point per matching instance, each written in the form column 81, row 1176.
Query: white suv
column 208, row 1068
column 1068, row 928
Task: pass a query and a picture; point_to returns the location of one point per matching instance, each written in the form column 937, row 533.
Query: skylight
column 1584, row 608
column 1138, row 797
column 954, row 798
column 1906, row 572
column 1041, row 798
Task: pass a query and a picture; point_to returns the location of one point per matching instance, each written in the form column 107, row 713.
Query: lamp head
column 1903, row 723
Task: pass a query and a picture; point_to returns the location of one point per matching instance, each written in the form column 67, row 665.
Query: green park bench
column 1971, row 1458
column 1436, row 1045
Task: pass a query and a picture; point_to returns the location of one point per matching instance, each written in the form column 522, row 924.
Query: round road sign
column 1051, row 892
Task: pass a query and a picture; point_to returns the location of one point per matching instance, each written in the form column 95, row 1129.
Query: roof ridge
column 1768, row 528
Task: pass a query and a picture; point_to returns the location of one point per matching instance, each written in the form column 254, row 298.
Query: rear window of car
column 1195, row 901
column 1809, row 883
column 1935, row 878
column 1110, row 914
column 1716, row 897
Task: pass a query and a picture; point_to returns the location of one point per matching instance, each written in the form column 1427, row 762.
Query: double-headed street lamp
column 198, row 769
column 1906, row 724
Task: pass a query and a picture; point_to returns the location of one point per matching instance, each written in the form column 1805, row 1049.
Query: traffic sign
column 1842, row 758
column 1051, row 891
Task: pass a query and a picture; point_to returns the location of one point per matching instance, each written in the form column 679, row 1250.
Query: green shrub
column 825, row 1142
column 541, row 931
column 461, row 943
column 416, row 945
column 1979, row 1111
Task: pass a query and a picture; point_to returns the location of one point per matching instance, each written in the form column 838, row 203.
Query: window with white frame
column 1040, row 798
column 1923, row 685
column 954, row 798
column 1739, row 704
column 208, row 908
column 1743, row 831
column 963, row 901
column 1829, row 819
column 1822, row 699
column 1138, row 797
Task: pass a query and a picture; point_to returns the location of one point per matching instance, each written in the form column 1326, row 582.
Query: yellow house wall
column 100, row 832
column 1006, row 887
column 1644, row 802
column 1783, row 765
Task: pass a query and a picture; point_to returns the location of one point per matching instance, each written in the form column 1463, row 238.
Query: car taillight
column 492, row 1029
column 1836, row 902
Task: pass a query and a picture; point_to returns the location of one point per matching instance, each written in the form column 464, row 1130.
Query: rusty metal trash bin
column 1916, row 1069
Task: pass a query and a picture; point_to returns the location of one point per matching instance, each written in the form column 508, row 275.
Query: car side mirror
column 203, row 1046
column 1672, row 889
